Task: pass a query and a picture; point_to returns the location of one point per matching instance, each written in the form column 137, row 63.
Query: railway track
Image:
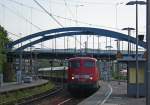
column 62, row 97
column 58, row 96
column 33, row 99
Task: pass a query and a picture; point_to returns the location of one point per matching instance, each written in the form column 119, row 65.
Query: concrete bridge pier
column 8, row 69
column 1, row 79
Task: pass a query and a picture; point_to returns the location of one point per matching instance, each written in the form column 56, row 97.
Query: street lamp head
column 141, row 37
column 108, row 47
column 128, row 28
column 80, row 5
column 118, row 3
column 136, row 2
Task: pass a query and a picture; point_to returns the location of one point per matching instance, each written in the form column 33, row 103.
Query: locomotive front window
column 74, row 64
column 89, row 64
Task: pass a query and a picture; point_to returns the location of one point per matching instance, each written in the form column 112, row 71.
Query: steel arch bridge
column 71, row 31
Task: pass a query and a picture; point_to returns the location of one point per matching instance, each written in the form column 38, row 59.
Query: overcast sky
column 17, row 15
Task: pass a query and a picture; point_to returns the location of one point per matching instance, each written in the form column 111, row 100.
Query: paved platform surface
column 118, row 96
column 98, row 97
column 7, row 87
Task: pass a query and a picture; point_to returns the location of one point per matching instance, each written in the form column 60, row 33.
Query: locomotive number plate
column 82, row 76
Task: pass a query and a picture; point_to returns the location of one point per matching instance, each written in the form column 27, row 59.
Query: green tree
column 3, row 41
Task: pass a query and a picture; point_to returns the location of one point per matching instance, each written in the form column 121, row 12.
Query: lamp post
column 85, row 47
column 77, row 23
column 136, row 3
column 109, row 73
column 93, row 45
column 129, row 29
column 36, row 64
column 148, row 52
column 99, row 44
column 19, row 72
column 116, row 7
column 117, row 45
column 118, row 52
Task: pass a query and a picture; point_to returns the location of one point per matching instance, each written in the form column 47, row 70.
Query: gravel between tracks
column 56, row 99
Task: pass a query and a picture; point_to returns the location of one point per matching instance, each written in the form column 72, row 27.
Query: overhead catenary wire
column 19, row 15
column 25, row 5
column 73, row 3
column 66, row 4
column 69, row 19
column 63, row 17
column 13, row 34
column 48, row 13
column 21, row 4
column 19, row 36
column 50, row 16
column 68, row 8
column 30, row 7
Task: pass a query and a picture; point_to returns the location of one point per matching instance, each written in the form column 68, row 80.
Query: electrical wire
column 19, row 15
column 13, row 34
column 22, row 16
column 48, row 13
column 83, row 2
column 19, row 37
column 68, row 8
column 52, row 15
column 22, row 4
column 69, row 19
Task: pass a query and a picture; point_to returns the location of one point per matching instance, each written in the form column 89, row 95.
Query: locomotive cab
column 82, row 74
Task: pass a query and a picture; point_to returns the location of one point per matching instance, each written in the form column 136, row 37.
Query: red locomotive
column 83, row 74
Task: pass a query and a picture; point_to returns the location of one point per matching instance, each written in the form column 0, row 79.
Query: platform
column 99, row 97
column 117, row 97
column 13, row 86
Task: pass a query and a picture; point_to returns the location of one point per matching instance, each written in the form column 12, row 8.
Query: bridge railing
column 91, row 51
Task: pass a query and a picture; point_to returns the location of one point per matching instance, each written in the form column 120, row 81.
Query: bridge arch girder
column 69, row 31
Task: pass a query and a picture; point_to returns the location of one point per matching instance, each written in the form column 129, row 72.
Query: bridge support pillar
column 1, row 79
column 8, row 66
column 19, row 71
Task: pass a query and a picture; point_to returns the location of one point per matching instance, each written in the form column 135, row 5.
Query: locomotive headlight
column 72, row 77
column 91, row 78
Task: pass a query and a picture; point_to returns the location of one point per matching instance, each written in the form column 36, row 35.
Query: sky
column 23, row 17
